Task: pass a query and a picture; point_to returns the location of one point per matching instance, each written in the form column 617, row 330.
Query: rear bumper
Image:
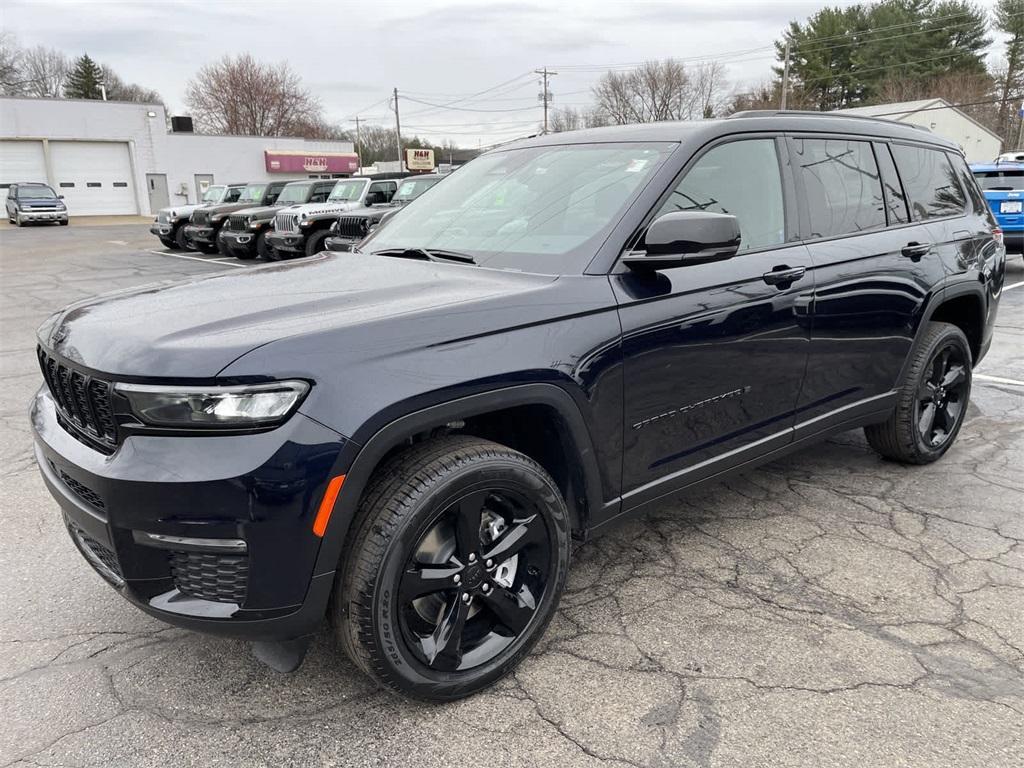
column 287, row 241
column 230, row 551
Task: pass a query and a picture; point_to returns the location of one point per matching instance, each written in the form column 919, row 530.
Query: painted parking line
column 194, row 258
column 998, row 380
column 1011, row 287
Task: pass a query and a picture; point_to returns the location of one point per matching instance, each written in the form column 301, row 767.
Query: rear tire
column 458, row 556
column 931, row 401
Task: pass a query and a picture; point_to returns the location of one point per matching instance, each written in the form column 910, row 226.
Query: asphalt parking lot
column 828, row 609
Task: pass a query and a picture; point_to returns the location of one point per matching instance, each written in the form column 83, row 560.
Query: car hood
column 260, row 211
column 38, row 201
column 227, row 207
column 317, row 209
column 183, row 211
column 194, row 329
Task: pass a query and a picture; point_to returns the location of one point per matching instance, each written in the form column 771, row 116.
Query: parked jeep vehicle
column 32, row 202
column 169, row 224
column 1003, row 186
column 352, row 226
column 245, row 233
column 205, row 223
column 302, row 231
column 570, row 330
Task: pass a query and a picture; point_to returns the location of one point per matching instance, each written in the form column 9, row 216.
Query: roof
column 901, row 110
column 687, row 131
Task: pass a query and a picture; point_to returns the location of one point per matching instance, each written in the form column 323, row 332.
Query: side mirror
column 60, row 197
column 683, row 238
column 374, row 198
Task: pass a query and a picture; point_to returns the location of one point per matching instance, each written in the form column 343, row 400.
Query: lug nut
column 465, row 597
column 456, row 578
column 490, row 563
column 472, row 558
column 486, row 588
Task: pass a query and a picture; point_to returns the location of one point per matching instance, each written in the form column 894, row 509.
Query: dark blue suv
column 568, row 331
column 1003, row 185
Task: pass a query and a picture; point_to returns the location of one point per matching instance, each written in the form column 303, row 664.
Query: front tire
column 932, row 399
column 181, row 240
column 315, row 243
column 169, row 243
column 459, row 555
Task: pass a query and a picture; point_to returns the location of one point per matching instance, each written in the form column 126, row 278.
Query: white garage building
column 980, row 145
column 113, row 158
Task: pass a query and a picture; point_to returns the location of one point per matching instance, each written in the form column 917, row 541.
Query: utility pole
column 545, row 95
column 785, row 78
column 359, row 145
column 398, row 132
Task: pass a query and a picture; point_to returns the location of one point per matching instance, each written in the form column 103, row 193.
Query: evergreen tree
column 1009, row 19
column 84, row 79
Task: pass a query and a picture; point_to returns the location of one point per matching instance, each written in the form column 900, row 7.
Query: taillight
column 997, row 235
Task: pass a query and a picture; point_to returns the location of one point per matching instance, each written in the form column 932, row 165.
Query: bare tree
column 661, row 90
column 239, row 95
column 44, row 71
column 10, row 65
column 707, row 92
column 119, row 90
column 565, row 119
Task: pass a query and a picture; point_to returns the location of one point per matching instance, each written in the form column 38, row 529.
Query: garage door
column 95, row 177
column 21, row 161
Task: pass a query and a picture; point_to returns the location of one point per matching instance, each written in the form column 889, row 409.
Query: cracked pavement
column 830, row 608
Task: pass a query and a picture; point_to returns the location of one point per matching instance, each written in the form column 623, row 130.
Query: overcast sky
column 351, row 54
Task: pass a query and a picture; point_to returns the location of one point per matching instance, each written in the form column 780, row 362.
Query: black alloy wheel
column 942, row 396
column 456, row 561
column 931, row 401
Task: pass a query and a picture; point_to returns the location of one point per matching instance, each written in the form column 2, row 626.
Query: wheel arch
column 962, row 305
column 485, row 415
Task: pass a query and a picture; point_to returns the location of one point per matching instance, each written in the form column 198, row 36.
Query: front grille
column 286, row 222
column 353, row 226
column 82, row 401
column 99, row 557
column 209, row 576
column 200, row 217
column 237, row 223
column 83, row 492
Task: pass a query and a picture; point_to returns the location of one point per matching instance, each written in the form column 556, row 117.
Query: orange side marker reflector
column 323, row 515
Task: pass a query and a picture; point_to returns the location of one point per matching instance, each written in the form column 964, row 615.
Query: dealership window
column 93, row 184
column 930, row 181
column 844, row 190
column 67, row 185
column 120, row 183
column 741, row 178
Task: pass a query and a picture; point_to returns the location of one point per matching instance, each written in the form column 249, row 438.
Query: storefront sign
column 419, row 159
column 311, row 162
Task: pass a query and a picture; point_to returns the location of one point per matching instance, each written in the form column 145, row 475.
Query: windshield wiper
column 426, row 255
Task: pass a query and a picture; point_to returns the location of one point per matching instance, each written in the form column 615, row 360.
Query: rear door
column 714, row 353
column 874, row 268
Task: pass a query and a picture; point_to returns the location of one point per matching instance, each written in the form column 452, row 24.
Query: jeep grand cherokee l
column 570, row 330
column 245, row 235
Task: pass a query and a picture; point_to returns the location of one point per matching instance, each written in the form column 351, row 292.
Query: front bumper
column 232, row 241
column 201, row 234
column 287, row 241
column 164, row 229
column 29, row 215
column 339, row 244
column 209, row 533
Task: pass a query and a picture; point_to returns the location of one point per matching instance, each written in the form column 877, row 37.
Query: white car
column 348, row 194
column 169, row 224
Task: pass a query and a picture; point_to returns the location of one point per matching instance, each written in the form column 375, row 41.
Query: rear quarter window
column 930, row 181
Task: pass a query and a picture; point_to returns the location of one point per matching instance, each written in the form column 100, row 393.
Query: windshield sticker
column 637, row 164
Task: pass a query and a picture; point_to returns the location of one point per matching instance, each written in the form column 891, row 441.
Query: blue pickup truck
column 1003, row 185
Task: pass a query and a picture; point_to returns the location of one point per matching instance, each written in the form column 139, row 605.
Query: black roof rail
column 811, row 113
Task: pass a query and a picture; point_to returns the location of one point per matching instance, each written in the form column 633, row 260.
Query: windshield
column 347, row 190
column 214, row 194
column 253, row 193
column 1008, row 179
column 41, row 192
column 294, row 193
column 412, row 188
column 536, row 209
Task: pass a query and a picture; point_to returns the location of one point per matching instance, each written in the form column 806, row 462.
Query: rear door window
column 842, row 184
column 930, row 182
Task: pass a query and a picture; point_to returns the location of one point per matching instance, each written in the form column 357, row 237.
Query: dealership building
column 116, row 158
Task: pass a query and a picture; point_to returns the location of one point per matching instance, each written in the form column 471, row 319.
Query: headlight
column 254, row 224
column 244, row 405
column 305, row 223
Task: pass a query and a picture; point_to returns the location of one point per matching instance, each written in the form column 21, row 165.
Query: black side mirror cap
column 682, row 238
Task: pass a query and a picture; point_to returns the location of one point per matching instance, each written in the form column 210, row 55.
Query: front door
column 714, row 354
column 156, row 186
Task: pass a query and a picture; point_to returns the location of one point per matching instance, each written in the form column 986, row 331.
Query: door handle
column 915, row 251
column 783, row 275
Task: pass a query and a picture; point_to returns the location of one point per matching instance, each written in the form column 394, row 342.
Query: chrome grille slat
column 286, row 222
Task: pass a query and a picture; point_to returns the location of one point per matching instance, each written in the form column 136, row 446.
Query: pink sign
column 311, row 162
